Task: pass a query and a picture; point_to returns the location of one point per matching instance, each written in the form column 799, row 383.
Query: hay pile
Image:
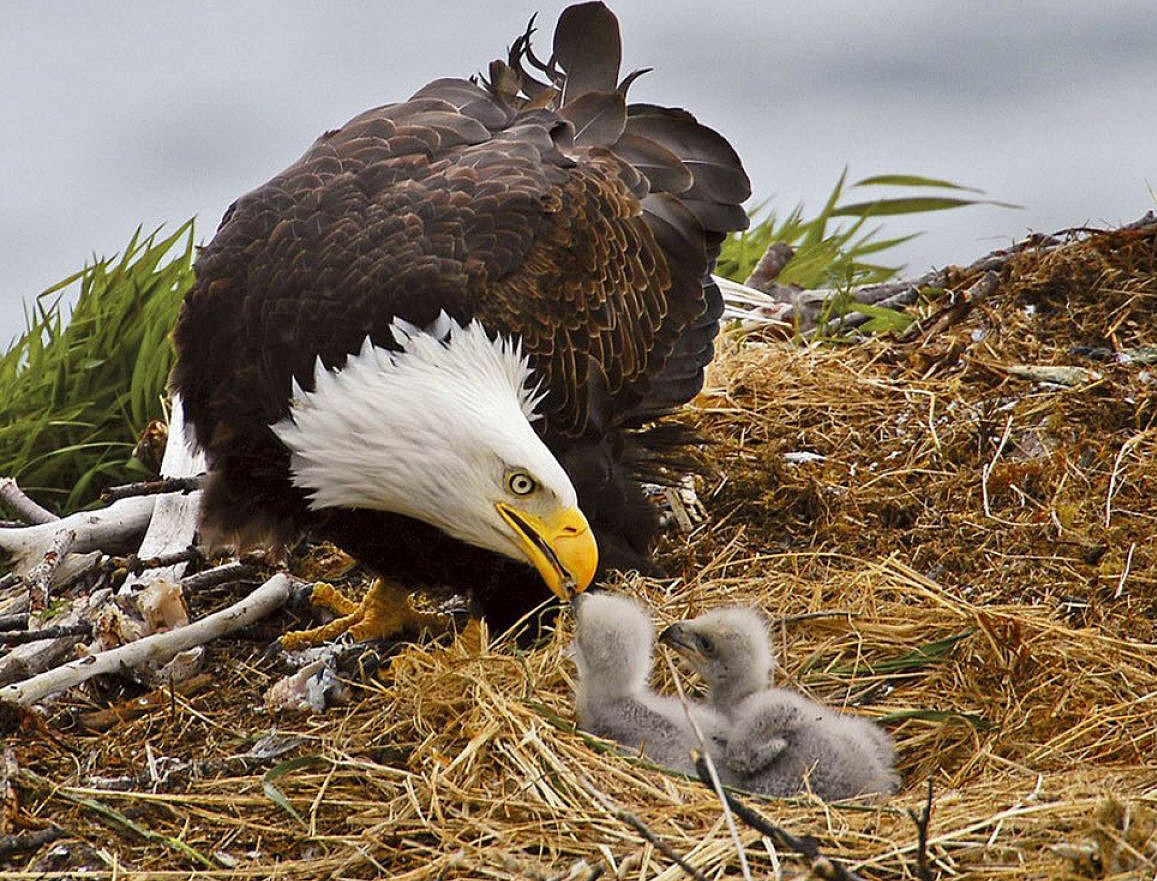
column 964, row 553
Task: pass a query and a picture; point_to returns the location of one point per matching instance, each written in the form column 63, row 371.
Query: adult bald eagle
column 442, row 338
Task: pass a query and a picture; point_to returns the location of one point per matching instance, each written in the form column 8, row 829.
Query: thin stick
column 809, row 616
column 923, row 821
column 821, row 866
column 30, row 841
column 152, row 488
column 20, row 637
column 639, row 826
column 226, row 572
column 135, row 565
column 39, row 577
column 986, row 471
column 1125, row 572
column 1113, row 487
column 271, row 595
column 23, row 505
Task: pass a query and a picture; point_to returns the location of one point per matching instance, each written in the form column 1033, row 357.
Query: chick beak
column 680, row 638
column 561, row 547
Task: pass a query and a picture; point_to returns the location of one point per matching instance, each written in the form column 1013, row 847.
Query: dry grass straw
column 1008, row 648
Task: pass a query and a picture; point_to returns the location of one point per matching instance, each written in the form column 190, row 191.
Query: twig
column 28, row 660
column 226, row 572
column 1113, row 487
column 922, row 821
column 809, row 616
column 39, row 577
column 821, row 866
column 23, row 505
column 10, row 580
column 17, row 637
column 153, row 487
column 271, row 595
column 639, row 826
column 986, row 470
column 134, row 564
column 30, row 841
column 1125, row 572
column 960, row 303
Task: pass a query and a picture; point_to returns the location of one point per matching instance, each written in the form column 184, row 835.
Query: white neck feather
column 425, row 431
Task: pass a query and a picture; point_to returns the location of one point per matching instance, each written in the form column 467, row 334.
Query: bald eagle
column 446, row 336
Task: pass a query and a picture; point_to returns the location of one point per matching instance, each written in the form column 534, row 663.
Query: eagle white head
column 440, row 430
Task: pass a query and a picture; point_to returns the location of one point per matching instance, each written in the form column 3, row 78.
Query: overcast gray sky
column 152, row 112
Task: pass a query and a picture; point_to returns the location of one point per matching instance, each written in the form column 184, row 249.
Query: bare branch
column 23, row 505
column 20, row 637
column 183, row 485
column 18, row 621
column 134, row 564
column 39, row 577
column 232, row 571
column 923, row 821
column 159, row 646
column 23, row 661
column 108, row 529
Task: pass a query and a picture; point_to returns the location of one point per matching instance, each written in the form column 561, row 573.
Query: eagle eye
column 520, row 483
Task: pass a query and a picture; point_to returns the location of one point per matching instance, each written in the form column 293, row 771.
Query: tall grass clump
column 837, row 248
column 76, row 390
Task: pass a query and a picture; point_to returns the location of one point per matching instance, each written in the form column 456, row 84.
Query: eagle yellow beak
column 561, row 547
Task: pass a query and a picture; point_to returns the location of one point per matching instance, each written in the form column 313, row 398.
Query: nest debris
column 955, row 541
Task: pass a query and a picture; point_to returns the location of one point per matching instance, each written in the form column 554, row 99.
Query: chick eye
column 520, row 483
column 708, row 645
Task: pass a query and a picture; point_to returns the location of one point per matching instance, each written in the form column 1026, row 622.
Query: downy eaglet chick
column 614, row 639
column 778, row 742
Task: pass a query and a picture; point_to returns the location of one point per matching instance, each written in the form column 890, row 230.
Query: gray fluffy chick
column 612, row 649
column 778, row 742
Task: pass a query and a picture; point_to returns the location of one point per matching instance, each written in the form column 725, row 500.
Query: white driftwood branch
column 174, row 523
column 158, row 647
column 108, row 530
column 25, row 507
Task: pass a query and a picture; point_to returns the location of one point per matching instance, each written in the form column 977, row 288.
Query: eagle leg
column 384, row 613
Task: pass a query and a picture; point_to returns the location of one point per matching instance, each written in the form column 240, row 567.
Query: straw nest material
column 952, row 539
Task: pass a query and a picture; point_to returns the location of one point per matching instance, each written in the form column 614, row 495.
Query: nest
column 954, row 534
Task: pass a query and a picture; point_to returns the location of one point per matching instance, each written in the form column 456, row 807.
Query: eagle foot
column 384, row 613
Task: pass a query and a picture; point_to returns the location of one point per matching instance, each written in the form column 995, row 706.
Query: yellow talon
column 385, row 612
